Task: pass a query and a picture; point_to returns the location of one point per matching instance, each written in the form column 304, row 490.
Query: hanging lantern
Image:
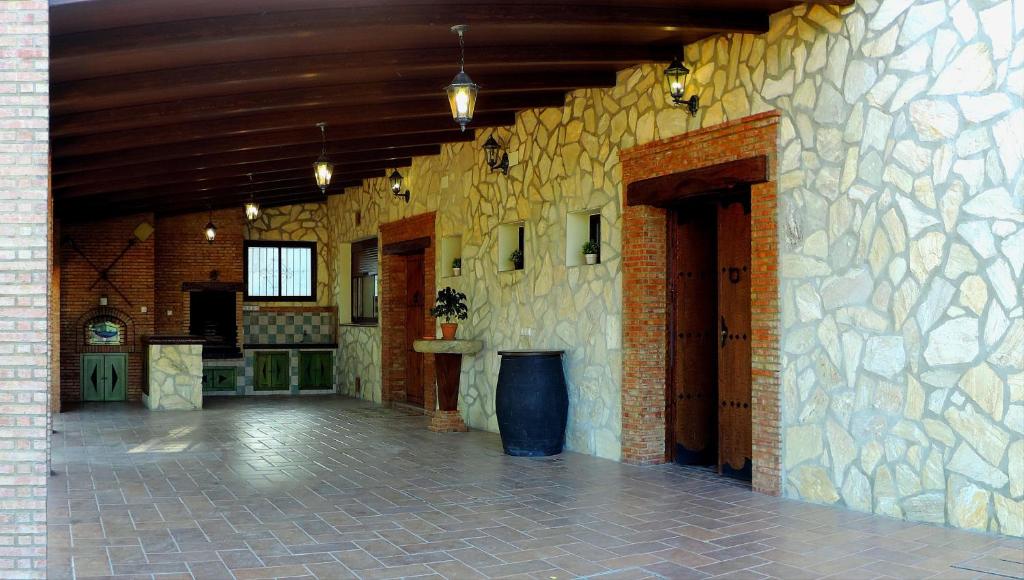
column 675, row 77
column 252, row 209
column 210, row 230
column 323, row 168
column 462, row 91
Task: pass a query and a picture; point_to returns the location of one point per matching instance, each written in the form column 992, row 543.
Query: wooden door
column 92, row 377
column 414, row 313
column 734, row 439
column 219, row 379
column 315, row 370
column 694, row 337
column 115, row 377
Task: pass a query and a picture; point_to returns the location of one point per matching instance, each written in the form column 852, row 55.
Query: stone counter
column 175, row 375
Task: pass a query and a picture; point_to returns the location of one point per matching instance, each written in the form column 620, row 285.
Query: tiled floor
column 333, row 488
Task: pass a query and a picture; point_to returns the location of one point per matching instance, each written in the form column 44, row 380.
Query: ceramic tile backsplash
column 288, row 327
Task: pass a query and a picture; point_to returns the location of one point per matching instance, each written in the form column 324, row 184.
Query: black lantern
column 323, row 168
column 675, row 76
column 210, row 230
column 252, row 208
column 396, row 180
column 462, row 91
column 492, row 150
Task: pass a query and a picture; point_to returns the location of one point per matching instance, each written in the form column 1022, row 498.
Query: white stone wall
column 901, row 240
column 902, row 142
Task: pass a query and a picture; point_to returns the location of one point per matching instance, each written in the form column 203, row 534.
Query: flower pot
column 456, row 271
column 590, row 258
column 448, row 330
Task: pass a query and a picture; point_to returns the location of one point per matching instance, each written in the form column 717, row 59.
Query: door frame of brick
column 392, row 307
column 645, row 324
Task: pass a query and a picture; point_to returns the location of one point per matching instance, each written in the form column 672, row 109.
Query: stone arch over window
column 108, row 320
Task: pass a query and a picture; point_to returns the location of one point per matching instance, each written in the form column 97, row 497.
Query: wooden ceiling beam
column 266, row 147
column 306, row 72
column 302, row 24
column 318, row 97
column 242, row 161
column 236, row 174
column 350, row 122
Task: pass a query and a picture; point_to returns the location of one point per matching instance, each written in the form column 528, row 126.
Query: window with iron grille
column 280, row 271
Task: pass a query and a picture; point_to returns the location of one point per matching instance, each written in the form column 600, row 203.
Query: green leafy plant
column 517, row 258
column 457, row 263
column 591, row 247
column 450, row 305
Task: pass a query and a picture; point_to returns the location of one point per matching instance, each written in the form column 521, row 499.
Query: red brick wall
column 392, row 308
column 183, row 255
column 24, row 282
column 101, row 242
column 645, row 289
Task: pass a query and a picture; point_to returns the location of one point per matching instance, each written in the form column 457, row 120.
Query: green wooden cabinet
column 270, row 372
column 219, row 379
column 316, row 370
column 104, row 377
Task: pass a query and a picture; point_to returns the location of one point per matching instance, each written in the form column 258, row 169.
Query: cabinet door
column 92, row 377
column 270, row 372
column 316, row 370
column 219, row 379
column 115, row 374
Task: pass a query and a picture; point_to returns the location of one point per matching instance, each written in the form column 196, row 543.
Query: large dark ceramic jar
column 532, row 402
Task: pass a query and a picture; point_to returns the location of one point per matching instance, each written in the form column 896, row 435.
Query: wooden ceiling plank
column 243, row 161
column 351, row 122
column 305, row 72
column 333, row 96
column 259, row 172
column 269, row 147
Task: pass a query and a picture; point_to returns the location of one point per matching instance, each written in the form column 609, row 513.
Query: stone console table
column 447, row 367
column 174, row 373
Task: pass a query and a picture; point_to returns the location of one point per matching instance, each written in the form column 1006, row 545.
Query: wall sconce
column 396, row 185
column 491, row 151
column 675, row 75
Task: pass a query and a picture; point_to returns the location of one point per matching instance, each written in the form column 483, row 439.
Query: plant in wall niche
column 457, row 267
column 517, row 259
column 591, row 249
column 450, row 305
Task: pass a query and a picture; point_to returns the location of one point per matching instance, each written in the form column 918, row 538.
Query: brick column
column 24, row 286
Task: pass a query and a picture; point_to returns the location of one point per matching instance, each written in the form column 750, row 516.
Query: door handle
column 725, row 331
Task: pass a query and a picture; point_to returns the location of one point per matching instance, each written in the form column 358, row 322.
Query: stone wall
column 900, row 236
column 24, row 284
column 300, row 223
column 902, row 248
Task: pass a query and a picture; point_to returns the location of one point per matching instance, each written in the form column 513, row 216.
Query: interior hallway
column 328, row 487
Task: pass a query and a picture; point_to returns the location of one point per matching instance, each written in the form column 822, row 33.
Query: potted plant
column 590, row 251
column 450, row 305
column 517, row 259
column 457, row 267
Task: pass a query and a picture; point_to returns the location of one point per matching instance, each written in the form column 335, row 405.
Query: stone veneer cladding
column 24, row 284
column 901, row 143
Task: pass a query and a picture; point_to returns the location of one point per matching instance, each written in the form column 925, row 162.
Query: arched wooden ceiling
column 168, row 105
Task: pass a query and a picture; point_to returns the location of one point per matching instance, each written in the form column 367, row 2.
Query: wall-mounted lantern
column 396, row 180
column 462, row 91
column 496, row 159
column 675, row 76
column 323, row 168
